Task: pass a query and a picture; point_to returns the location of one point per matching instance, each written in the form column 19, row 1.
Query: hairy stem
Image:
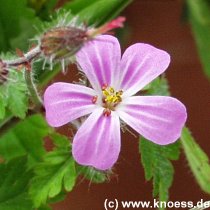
column 36, row 99
column 29, row 56
column 25, row 59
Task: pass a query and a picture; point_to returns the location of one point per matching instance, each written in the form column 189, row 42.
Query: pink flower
column 114, row 81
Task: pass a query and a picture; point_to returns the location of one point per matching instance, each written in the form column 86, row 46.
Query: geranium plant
column 115, row 92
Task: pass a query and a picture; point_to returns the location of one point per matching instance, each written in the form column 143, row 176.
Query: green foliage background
column 30, row 176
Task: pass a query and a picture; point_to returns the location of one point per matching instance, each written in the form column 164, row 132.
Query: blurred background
column 160, row 23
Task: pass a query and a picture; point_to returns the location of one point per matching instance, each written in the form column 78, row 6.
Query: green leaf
column 60, row 197
column 45, row 207
column 156, row 159
column 25, row 138
column 43, row 7
column 158, row 87
column 197, row 159
column 16, row 21
column 13, row 95
column 76, row 6
column 13, row 185
column 57, row 171
column 199, row 16
column 60, row 141
column 2, row 105
column 17, row 101
column 102, row 11
column 157, row 165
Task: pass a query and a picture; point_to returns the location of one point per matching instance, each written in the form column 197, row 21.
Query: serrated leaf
column 13, row 185
column 55, row 173
column 17, row 101
column 158, row 87
column 172, row 151
column 199, row 16
column 197, row 159
column 25, row 138
column 156, row 158
column 14, row 94
column 157, row 166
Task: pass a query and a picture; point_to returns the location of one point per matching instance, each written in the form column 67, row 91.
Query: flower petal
column 97, row 142
column 157, row 118
column 140, row 64
column 65, row 102
column 99, row 59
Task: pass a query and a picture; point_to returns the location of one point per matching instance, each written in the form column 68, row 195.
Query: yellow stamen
column 111, row 97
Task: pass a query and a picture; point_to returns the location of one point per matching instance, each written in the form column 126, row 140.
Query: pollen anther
column 104, row 86
column 107, row 112
column 111, row 98
column 94, row 99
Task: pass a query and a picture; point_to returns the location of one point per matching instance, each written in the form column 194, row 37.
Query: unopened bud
column 61, row 42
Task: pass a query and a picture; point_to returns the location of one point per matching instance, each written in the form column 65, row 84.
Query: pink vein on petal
column 99, row 60
column 65, row 102
column 140, row 64
column 97, row 142
column 157, row 118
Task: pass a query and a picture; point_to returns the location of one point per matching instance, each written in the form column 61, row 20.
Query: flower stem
column 36, row 99
column 28, row 57
column 28, row 74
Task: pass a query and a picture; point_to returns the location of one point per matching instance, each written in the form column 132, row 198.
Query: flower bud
column 61, row 42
